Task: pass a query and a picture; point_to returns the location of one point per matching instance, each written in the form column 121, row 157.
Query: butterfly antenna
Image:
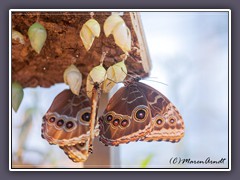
column 134, row 76
column 112, row 81
column 154, row 81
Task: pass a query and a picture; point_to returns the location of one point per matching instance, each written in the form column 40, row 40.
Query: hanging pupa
column 37, row 35
column 110, row 23
column 89, row 31
column 122, row 37
column 116, row 26
column 115, row 74
column 18, row 36
column 73, row 77
column 96, row 75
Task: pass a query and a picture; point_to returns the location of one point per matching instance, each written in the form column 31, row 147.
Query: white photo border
column 121, row 169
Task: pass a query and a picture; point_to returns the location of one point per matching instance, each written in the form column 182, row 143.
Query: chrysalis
column 110, row 23
column 89, row 31
column 18, row 36
column 116, row 26
column 37, row 35
column 115, row 74
column 73, row 77
column 96, row 75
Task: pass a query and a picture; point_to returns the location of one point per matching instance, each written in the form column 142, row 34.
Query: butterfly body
column 139, row 112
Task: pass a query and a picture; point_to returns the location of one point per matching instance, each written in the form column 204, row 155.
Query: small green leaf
column 37, row 35
column 146, row 161
column 17, row 95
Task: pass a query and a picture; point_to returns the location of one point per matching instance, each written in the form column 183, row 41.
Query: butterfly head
column 132, row 79
column 96, row 85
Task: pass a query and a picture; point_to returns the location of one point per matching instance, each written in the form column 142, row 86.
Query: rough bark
column 64, row 47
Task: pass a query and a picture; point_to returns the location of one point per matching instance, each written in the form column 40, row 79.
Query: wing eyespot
column 115, row 122
column 84, row 116
column 172, row 121
column 60, row 122
column 140, row 113
column 52, row 119
column 109, row 117
column 69, row 125
column 124, row 123
column 159, row 122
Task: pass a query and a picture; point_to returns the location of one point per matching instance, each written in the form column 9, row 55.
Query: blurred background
column 189, row 53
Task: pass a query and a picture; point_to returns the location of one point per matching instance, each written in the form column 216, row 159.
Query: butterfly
column 139, row 112
column 66, row 124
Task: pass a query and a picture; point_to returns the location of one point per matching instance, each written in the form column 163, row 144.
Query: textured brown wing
column 63, row 124
column 167, row 121
column 66, row 124
column 78, row 152
column 126, row 118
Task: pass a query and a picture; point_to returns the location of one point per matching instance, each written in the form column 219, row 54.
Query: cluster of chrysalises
column 114, row 25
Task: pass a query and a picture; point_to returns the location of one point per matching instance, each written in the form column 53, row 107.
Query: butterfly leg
column 90, row 149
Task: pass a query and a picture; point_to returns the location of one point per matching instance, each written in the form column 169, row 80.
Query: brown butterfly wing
column 63, row 123
column 167, row 121
column 126, row 118
column 78, row 152
column 66, row 123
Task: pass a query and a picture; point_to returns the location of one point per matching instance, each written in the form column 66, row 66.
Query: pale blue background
column 189, row 52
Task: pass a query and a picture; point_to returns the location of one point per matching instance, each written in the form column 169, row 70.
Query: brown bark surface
column 64, row 47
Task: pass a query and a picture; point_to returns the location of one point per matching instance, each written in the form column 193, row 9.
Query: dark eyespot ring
column 109, row 117
column 69, row 125
column 140, row 113
column 159, row 121
column 115, row 122
column 86, row 116
column 60, row 123
column 172, row 121
column 124, row 123
column 52, row 119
